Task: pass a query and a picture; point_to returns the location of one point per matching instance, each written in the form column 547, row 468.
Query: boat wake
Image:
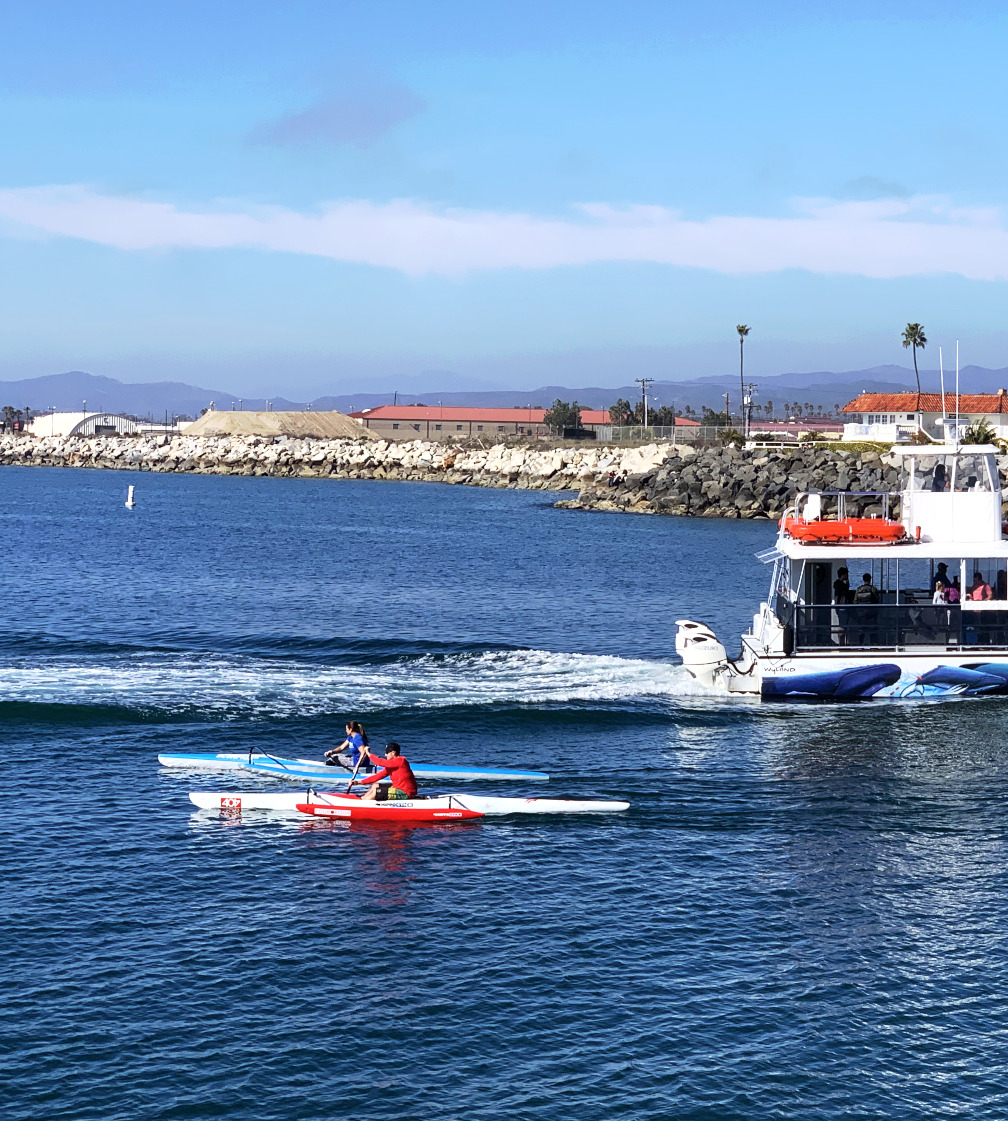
column 229, row 685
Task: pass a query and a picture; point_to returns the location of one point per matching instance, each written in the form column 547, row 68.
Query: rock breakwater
column 498, row 465
column 657, row 479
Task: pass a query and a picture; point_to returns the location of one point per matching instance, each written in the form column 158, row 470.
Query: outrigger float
column 808, row 641
column 351, row 807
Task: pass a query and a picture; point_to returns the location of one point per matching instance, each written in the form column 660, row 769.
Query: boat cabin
column 926, row 566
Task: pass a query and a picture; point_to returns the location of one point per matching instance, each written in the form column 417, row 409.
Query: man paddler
column 393, row 767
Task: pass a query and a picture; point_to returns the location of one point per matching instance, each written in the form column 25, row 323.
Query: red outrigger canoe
column 350, row 807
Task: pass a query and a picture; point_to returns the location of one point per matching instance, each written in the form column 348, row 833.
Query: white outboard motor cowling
column 703, row 656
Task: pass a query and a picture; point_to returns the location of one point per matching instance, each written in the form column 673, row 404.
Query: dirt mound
column 326, row 426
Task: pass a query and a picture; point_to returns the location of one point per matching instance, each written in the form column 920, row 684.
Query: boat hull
column 305, row 770
column 434, row 810
column 896, row 677
column 288, row 802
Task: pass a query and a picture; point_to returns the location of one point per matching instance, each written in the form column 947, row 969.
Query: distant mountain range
column 69, row 391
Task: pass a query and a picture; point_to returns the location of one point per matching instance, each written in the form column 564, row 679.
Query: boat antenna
column 957, row 393
column 941, row 374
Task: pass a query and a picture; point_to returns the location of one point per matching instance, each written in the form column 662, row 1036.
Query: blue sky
column 305, row 197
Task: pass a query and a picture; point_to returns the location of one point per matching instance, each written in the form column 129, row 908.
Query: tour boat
column 812, row 639
column 432, row 808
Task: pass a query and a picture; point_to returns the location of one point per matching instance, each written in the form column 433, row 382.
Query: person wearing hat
column 393, row 767
column 941, row 573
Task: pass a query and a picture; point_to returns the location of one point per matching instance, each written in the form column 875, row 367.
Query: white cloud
column 880, row 238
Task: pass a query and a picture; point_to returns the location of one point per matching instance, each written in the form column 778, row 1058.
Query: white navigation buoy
column 130, row 500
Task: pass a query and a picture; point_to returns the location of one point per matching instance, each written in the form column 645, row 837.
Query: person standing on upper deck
column 980, row 589
column 866, row 591
column 941, row 573
column 841, row 597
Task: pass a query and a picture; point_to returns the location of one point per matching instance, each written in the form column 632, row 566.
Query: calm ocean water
column 804, row 914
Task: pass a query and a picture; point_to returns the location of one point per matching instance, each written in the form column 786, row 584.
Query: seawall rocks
column 718, row 482
column 498, row 465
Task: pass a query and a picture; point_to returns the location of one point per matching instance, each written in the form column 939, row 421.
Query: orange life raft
column 864, row 531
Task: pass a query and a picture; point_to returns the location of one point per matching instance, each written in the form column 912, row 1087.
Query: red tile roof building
column 929, row 403
column 897, row 416
column 454, row 422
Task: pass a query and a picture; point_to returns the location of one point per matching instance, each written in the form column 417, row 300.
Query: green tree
column 914, row 336
column 8, row 415
column 768, row 409
column 979, row 432
column 563, row 415
column 621, row 413
column 663, row 417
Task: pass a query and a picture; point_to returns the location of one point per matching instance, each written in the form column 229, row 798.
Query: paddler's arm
column 336, row 750
column 376, row 777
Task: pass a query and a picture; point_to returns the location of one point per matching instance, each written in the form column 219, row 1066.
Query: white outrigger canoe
column 350, row 806
column 300, row 770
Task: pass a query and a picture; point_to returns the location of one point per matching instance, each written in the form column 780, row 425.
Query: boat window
column 992, row 572
column 932, row 472
column 971, row 473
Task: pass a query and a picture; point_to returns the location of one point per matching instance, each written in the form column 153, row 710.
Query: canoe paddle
column 360, row 759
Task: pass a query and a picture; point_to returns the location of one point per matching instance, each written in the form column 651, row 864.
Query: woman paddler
column 349, row 751
column 393, row 767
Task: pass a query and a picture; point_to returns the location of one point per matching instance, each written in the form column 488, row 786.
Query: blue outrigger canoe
column 300, row 769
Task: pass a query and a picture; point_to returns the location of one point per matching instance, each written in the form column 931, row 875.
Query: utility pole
column 645, row 384
column 750, row 392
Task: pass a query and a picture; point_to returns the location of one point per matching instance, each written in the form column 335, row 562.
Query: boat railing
column 873, row 626
column 836, row 505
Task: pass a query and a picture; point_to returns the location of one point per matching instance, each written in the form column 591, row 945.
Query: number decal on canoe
column 230, row 803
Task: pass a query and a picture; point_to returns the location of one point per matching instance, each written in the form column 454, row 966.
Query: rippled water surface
column 803, row 914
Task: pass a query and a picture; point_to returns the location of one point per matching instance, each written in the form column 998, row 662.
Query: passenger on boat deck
column 952, row 591
column 393, row 767
column 866, row 591
column 940, row 594
column 1001, row 585
column 940, row 480
column 349, row 751
column 941, row 574
column 841, row 587
column 980, row 588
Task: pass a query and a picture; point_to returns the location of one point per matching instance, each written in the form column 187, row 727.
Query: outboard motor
column 704, row 657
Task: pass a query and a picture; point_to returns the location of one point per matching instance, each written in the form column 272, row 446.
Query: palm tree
column 743, row 330
column 914, row 336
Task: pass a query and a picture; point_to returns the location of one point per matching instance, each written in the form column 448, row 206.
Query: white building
column 893, row 418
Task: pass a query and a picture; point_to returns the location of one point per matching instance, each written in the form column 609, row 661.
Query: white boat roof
column 917, row 550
